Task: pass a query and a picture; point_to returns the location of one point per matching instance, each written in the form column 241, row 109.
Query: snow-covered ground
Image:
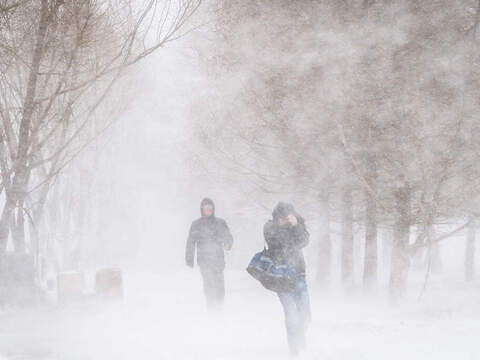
column 164, row 317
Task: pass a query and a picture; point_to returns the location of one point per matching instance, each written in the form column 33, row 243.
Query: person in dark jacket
column 286, row 235
column 210, row 236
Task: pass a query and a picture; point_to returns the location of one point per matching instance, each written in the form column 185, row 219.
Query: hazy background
column 135, row 191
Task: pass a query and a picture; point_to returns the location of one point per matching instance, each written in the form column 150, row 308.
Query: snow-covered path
column 166, row 319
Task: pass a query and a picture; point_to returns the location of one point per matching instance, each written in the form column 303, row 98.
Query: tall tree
column 470, row 251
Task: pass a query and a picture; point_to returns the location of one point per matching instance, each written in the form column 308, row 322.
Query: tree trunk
column 5, row 223
column 386, row 254
column 400, row 258
column 470, row 252
column 324, row 243
column 21, row 170
column 18, row 230
column 436, row 260
column 370, row 265
column 347, row 236
column 433, row 260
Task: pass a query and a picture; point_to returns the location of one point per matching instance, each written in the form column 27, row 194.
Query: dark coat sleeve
column 190, row 248
column 301, row 237
column 269, row 234
column 225, row 235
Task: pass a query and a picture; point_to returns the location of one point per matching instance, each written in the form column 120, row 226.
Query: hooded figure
column 286, row 235
column 210, row 236
column 285, row 242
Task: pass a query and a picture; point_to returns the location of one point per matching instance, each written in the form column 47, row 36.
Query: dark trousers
column 213, row 287
column 296, row 305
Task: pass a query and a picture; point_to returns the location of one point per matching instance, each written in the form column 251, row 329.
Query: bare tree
column 53, row 84
column 297, row 107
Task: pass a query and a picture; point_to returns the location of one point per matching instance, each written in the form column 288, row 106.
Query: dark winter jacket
column 285, row 244
column 209, row 235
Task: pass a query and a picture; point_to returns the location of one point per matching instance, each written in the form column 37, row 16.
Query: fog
column 362, row 115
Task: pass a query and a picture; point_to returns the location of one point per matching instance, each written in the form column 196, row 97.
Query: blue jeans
column 296, row 305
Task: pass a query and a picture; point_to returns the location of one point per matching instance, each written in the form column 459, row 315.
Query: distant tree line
column 368, row 107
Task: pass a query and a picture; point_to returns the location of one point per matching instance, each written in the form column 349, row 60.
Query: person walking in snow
column 210, row 236
column 286, row 235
